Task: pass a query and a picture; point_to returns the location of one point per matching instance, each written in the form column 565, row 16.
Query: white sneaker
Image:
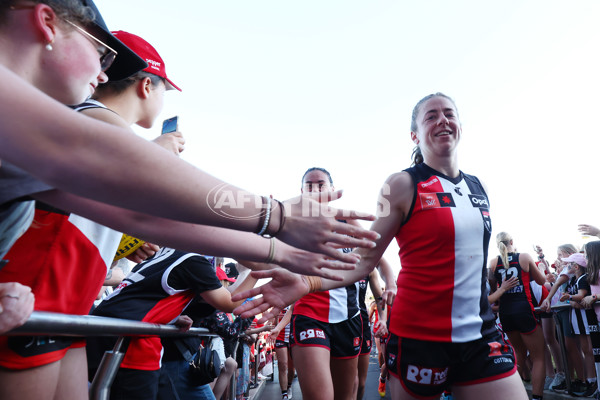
column 290, row 393
column 559, row 378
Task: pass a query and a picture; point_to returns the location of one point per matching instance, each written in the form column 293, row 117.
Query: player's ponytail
column 503, row 240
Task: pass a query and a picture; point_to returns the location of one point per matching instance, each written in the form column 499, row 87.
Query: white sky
column 271, row 88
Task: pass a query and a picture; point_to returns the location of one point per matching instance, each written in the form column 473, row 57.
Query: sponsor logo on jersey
column 431, row 182
column 436, row 200
column 311, row 334
column 426, row 376
column 457, row 190
column 487, row 221
column 479, row 201
column 516, row 289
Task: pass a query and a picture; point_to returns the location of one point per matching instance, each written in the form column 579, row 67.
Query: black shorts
column 564, row 318
column 24, row 352
column 367, row 342
column 281, row 344
column 426, row 369
column 520, row 319
column 342, row 339
column 135, row 384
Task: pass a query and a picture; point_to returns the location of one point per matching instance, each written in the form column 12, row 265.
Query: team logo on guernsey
column 487, row 221
column 436, row 200
column 391, row 359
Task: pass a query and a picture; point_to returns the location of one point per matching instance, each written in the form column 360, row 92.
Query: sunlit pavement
column 271, row 390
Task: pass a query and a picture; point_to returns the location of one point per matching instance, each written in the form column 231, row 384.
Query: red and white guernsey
column 442, row 286
column 331, row 306
column 64, row 258
column 284, row 335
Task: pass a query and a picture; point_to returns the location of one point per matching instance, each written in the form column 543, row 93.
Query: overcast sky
column 271, row 88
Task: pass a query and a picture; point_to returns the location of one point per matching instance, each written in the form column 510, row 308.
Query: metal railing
column 55, row 324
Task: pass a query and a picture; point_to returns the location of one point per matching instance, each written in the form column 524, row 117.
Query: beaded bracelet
column 267, row 218
column 261, row 215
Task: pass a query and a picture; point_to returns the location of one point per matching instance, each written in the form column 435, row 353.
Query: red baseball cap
column 223, row 276
column 156, row 65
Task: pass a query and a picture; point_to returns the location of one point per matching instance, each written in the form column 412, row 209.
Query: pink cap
column 156, row 65
column 577, row 258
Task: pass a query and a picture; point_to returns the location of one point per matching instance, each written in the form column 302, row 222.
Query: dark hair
column 318, row 169
column 417, row 155
column 116, row 87
column 72, row 10
column 592, row 251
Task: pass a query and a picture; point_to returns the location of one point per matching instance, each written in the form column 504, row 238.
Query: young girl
column 574, row 354
column 581, row 319
column 592, row 255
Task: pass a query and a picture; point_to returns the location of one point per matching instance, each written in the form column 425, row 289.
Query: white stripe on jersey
column 338, row 304
column 105, row 239
column 466, row 319
column 165, row 276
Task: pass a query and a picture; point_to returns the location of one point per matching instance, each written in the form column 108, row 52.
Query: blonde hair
column 568, row 248
column 502, row 241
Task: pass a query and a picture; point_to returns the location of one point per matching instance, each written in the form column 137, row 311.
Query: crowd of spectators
column 561, row 296
column 63, row 209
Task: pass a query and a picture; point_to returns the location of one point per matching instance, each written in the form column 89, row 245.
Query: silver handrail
column 56, row 324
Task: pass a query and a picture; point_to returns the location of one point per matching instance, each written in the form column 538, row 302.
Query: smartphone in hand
column 170, row 125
